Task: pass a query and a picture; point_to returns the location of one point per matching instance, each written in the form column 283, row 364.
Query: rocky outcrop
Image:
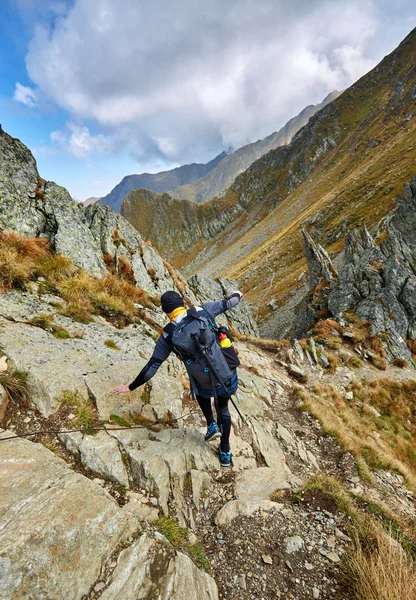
column 87, row 236
column 377, row 280
column 151, row 568
column 35, row 207
column 212, row 289
column 89, row 524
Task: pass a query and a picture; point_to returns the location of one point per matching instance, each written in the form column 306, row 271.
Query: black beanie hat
column 171, row 300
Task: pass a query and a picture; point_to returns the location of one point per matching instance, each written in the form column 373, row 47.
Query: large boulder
column 58, row 528
column 151, row 568
column 34, row 207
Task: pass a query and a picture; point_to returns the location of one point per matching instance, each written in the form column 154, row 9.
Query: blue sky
column 99, row 89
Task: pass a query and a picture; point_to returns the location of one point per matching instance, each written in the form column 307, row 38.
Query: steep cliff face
column 88, row 237
column 223, row 175
column 35, row 207
column 377, row 280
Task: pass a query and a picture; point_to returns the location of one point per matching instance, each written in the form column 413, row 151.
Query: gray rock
column 260, row 483
column 244, row 508
column 377, row 283
column 160, row 465
column 268, row 446
column 201, row 482
column 293, row 544
column 319, row 264
column 67, row 525
column 296, row 371
column 100, row 454
column 151, row 568
column 141, row 510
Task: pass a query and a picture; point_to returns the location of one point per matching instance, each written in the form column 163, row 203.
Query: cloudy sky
column 99, row 89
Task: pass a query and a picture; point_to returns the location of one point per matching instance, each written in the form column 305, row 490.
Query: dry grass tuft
column 86, row 417
column 125, row 269
column 379, row 363
column 264, row 343
column 354, row 425
column 400, row 362
column 18, row 257
column 333, row 362
column 380, row 563
column 109, row 293
column 176, row 278
column 15, row 384
column 384, row 572
column 55, row 268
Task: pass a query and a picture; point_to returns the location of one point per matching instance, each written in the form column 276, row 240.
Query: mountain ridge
column 223, row 175
column 158, row 182
column 347, row 164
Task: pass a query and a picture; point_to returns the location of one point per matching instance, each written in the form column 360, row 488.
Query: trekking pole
column 203, row 351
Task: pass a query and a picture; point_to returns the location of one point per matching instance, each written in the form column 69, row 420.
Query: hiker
column 188, row 343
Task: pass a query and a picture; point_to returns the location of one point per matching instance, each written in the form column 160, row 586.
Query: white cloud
column 26, row 95
column 79, row 141
column 181, row 80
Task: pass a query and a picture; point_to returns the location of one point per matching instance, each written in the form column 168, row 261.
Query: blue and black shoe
column 213, row 432
column 225, row 458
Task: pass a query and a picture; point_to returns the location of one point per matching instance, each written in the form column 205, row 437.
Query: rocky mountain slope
column 135, row 505
column 223, row 175
column 346, row 166
column 106, row 496
column 201, row 182
column 159, row 182
column 94, row 238
column 376, row 280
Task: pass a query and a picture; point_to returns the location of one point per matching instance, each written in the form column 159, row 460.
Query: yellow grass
column 386, row 572
column 379, row 564
column 354, row 427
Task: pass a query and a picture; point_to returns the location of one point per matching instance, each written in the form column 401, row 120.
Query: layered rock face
column 34, row 207
column 377, row 279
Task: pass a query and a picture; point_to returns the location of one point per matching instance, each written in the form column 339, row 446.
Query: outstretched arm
column 221, row 306
column 160, row 354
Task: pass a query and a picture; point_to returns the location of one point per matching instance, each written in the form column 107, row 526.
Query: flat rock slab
column 244, row 508
column 151, row 568
column 258, row 484
column 268, row 446
column 22, row 306
column 57, row 528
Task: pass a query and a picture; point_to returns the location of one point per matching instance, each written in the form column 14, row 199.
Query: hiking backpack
column 195, row 341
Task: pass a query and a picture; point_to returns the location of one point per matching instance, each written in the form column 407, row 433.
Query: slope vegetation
column 345, row 167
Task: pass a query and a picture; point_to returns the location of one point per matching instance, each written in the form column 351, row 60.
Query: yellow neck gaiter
column 176, row 313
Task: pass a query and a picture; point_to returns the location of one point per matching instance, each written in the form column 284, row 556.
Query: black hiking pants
column 206, row 407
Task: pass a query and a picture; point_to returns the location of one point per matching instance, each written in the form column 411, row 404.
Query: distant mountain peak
column 159, row 182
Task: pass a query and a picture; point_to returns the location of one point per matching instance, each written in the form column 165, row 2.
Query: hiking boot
column 213, row 432
column 225, row 458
